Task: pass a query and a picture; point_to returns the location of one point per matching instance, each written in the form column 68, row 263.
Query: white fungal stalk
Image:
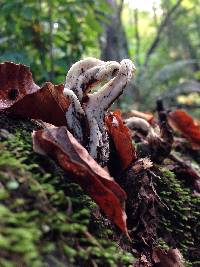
column 89, row 109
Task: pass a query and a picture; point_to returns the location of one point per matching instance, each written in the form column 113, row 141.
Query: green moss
column 45, row 218
column 179, row 223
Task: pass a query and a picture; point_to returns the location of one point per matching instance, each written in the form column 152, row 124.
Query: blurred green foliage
column 48, row 35
column 175, row 58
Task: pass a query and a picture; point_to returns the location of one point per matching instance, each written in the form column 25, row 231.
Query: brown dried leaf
column 147, row 116
column 20, row 96
column 180, row 120
column 47, row 104
column 60, row 144
column 121, row 137
column 15, row 82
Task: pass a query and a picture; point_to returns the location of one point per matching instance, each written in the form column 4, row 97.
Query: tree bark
column 113, row 42
column 114, row 46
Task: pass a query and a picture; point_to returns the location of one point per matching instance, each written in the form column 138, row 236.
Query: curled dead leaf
column 47, row 104
column 147, row 116
column 20, row 96
column 60, row 144
column 181, row 121
column 121, row 137
column 15, row 82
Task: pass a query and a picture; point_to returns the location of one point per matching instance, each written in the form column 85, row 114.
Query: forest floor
column 47, row 219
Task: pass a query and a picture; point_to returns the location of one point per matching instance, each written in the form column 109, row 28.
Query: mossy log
column 47, row 220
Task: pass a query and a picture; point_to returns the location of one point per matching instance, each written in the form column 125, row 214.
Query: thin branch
column 120, row 7
column 51, row 75
column 155, row 15
column 159, row 32
column 137, row 36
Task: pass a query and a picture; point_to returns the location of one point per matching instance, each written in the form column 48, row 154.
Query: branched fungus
column 85, row 115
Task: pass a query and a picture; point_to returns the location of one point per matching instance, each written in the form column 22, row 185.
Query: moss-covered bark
column 45, row 218
column 179, row 221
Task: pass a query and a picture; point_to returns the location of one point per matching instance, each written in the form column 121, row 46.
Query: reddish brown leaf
column 180, row 120
column 15, row 82
column 121, row 137
column 170, row 258
column 20, row 96
column 147, row 116
column 60, row 144
column 47, row 104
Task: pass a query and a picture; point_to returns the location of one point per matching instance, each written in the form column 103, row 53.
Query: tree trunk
column 113, row 42
column 114, row 46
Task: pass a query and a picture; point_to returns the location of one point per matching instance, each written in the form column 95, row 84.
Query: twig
column 159, row 32
column 153, row 188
